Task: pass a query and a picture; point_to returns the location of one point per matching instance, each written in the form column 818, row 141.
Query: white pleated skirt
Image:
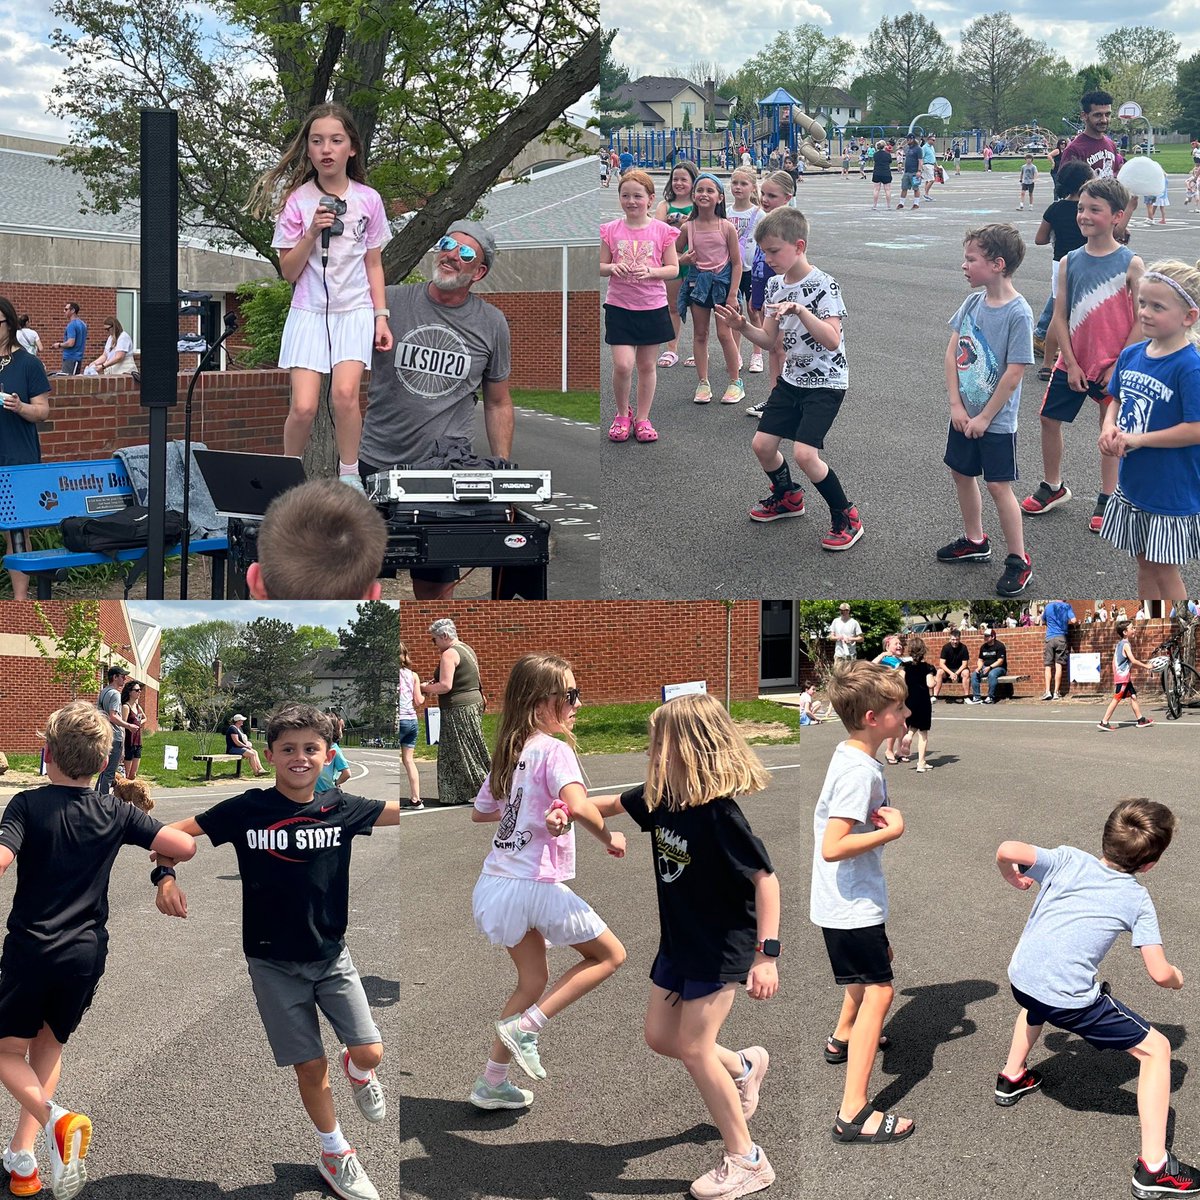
column 306, row 339
column 507, row 909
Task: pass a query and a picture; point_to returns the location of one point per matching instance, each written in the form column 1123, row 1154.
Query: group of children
column 293, row 847
column 718, row 904
column 1124, row 338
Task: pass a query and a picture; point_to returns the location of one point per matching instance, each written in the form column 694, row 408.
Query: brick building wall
column 620, row 650
column 28, row 693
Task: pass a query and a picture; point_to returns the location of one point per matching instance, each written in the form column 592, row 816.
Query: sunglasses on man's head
column 468, row 254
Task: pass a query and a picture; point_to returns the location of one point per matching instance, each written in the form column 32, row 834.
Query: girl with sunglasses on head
column 338, row 313
column 522, row 901
column 132, row 711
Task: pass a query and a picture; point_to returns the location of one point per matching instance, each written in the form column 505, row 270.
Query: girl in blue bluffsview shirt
column 1155, row 431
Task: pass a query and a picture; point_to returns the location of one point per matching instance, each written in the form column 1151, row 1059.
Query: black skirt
column 637, row 327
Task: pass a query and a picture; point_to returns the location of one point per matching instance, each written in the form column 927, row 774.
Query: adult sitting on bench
column 25, row 400
column 236, row 742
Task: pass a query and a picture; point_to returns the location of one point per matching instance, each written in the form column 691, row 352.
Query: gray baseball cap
column 473, row 229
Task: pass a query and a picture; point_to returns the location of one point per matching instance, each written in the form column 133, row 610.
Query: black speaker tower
column 160, row 313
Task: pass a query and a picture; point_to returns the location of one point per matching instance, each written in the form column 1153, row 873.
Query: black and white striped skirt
column 1152, row 536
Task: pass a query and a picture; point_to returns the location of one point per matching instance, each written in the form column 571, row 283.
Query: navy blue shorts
column 994, row 456
column 664, row 974
column 758, row 291
column 1125, row 691
column 1061, row 403
column 1106, row 1023
column 859, row 955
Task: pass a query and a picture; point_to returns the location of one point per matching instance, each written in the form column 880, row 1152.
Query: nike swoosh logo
column 328, row 808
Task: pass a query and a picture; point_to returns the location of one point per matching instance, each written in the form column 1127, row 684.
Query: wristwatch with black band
column 769, row 947
column 160, row 873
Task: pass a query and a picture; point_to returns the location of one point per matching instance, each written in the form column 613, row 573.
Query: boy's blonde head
column 79, row 737
column 697, row 754
column 1112, row 191
column 858, row 688
column 1137, row 832
column 787, row 224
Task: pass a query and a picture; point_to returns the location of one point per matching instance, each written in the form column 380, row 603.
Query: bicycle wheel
column 1170, row 683
column 1189, row 684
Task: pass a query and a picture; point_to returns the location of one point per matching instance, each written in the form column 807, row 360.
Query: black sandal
column 852, row 1131
column 841, row 1053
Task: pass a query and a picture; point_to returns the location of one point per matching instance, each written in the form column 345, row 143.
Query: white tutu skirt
column 306, row 341
column 507, row 909
column 1174, row 541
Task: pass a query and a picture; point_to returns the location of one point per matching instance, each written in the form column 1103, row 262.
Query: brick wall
column 620, row 650
column 29, row 694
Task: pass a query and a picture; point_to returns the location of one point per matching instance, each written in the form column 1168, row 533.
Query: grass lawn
column 189, row 773
column 1174, row 159
column 576, row 406
column 621, row 728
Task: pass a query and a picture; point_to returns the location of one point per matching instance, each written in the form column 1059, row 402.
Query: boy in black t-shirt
column 67, row 838
column 293, row 852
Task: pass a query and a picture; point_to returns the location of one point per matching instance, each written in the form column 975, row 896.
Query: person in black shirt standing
column 993, row 662
column 67, row 838
column 293, row 853
column 718, row 911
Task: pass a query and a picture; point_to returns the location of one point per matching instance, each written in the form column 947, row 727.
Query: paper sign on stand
column 1085, row 668
column 671, row 690
column 433, row 725
column 171, row 758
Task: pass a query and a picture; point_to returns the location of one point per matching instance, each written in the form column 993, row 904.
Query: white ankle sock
column 348, row 468
column 533, row 1020
column 1152, row 1167
column 333, row 1143
column 494, row 1074
column 355, row 1072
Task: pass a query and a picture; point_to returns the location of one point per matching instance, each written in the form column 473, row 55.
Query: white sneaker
column 67, row 1137
column 368, row 1094
column 344, row 1173
column 503, row 1095
column 21, row 1166
column 756, row 362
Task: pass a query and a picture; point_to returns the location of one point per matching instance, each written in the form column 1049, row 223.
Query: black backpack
column 126, row 529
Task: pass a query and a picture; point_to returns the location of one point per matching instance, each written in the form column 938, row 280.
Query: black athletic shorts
column 859, row 955
column 802, row 414
column 44, row 994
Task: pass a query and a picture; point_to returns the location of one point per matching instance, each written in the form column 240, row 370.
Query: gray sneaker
column 522, row 1046
column 504, row 1095
column 369, row 1095
column 344, row 1173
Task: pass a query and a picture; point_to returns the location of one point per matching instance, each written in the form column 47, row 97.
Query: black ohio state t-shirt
column 705, row 860
column 66, row 840
column 294, row 861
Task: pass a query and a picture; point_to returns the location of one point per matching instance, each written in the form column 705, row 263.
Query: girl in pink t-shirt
column 522, row 901
column 637, row 253
column 338, row 313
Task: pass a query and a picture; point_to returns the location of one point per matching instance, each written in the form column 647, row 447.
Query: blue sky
column 170, row 614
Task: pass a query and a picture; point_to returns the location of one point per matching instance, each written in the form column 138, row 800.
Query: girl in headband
column 708, row 244
column 1155, row 432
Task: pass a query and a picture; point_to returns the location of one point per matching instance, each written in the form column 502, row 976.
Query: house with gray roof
column 661, row 102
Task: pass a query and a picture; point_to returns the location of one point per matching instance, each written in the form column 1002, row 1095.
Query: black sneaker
column 1105, row 727
column 1018, row 572
column 1173, row 1178
column 1144, row 722
column 1008, row 1092
column 756, row 410
column 964, row 550
column 1097, row 519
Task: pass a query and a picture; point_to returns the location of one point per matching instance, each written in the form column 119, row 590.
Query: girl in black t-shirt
column 718, row 910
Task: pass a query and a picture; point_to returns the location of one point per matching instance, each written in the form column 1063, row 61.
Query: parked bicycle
column 1173, row 660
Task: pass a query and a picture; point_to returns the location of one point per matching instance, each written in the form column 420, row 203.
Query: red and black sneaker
column 1018, row 572
column 1009, row 1091
column 1173, row 1178
column 1097, row 518
column 773, row 508
column 1045, row 498
column 964, row 550
column 847, row 529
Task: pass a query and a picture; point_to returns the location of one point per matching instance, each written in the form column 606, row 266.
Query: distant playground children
column 810, row 710
column 1029, row 174
column 718, row 912
column 1124, row 660
column 66, row 838
column 295, row 908
column 853, row 820
column 708, row 245
column 776, row 191
column 674, row 208
column 806, row 305
column 1153, row 434
column 637, row 255
column 522, row 901
column 338, row 314
column 744, row 215
column 1082, row 906
column 1159, row 203
column 1093, row 321
column 986, row 358
column 1191, row 191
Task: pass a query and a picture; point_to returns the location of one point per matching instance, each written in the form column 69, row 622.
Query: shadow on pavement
column 935, row 1014
column 381, row 993
column 455, row 1166
column 291, row 1180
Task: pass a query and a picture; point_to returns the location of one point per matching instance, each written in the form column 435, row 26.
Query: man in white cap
column 448, row 347
column 236, row 742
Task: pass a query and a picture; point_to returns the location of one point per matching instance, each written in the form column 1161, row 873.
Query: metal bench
column 209, row 759
column 40, row 495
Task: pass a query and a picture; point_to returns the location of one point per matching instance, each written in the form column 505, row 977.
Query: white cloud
column 171, row 614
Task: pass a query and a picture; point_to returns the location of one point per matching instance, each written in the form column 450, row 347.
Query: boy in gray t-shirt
column 852, row 824
column 990, row 347
column 1083, row 906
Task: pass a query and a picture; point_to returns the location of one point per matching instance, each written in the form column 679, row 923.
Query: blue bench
column 40, row 495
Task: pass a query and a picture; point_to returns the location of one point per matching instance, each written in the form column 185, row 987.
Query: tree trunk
column 320, row 455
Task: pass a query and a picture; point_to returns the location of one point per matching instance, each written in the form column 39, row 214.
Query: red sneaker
column 847, row 529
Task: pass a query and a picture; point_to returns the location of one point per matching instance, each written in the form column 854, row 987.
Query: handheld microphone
column 331, row 203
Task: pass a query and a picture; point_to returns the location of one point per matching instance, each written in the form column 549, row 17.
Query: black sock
column 831, row 492
column 781, row 479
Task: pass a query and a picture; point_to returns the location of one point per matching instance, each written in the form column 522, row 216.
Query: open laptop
column 243, row 485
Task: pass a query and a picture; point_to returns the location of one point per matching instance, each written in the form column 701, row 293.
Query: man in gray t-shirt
column 109, row 703
column 448, row 347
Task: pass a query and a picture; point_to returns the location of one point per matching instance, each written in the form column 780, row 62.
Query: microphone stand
column 230, row 327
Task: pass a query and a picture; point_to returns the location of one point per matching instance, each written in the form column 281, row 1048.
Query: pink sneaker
column 759, row 1061
column 735, row 1176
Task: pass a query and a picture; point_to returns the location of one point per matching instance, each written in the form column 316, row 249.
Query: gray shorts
column 288, row 996
column 1055, row 652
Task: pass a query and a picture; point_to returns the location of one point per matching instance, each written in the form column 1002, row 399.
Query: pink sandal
column 668, row 358
column 618, row 431
column 644, row 431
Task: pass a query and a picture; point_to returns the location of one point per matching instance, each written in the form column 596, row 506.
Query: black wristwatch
column 769, row 947
column 160, row 873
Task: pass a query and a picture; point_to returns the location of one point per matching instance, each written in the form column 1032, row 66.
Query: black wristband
column 160, row 873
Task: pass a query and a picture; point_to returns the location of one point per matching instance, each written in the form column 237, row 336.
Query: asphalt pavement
column 171, row 1061
column 613, row 1120
column 678, row 508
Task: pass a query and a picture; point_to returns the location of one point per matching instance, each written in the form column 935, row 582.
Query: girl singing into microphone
column 330, row 229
